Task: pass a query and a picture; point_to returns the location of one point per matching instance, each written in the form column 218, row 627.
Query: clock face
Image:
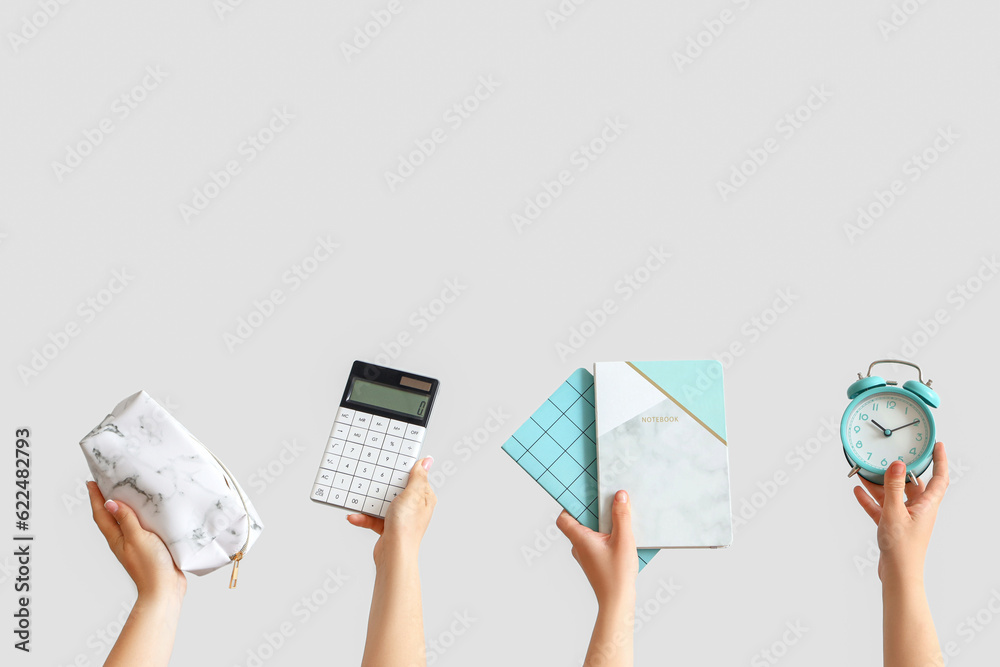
column 886, row 427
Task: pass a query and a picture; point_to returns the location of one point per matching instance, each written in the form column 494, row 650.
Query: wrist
column 166, row 597
column 618, row 604
column 394, row 553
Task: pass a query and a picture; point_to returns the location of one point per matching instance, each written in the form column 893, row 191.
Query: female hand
column 905, row 516
column 409, row 514
column 609, row 561
column 141, row 553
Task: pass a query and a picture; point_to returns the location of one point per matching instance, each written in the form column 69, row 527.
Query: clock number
column 869, row 456
column 864, row 418
column 858, row 445
column 884, row 462
column 920, row 436
column 913, row 451
column 857, row 429
column 900, row 458
column 891, row 405
column 875, row 407
column 907, row 410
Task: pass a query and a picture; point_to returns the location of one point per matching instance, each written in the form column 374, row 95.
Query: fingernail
column 111, row 506
column 427, row 462
column 621, row 497
column 897, row 467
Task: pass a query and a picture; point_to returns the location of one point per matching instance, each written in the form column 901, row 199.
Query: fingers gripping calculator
column 375, row 440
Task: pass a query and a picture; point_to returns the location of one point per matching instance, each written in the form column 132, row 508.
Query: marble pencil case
column 140, row 454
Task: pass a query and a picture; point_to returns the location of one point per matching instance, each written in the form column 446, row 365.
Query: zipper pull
column 236, row 568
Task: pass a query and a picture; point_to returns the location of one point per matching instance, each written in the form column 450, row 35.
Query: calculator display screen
column 388, row 398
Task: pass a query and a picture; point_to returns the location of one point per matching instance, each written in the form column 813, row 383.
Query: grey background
column 805, row 554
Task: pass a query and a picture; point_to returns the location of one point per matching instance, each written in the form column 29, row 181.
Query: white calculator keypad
column 367, row 461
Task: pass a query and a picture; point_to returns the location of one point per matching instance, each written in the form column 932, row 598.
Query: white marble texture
column 677, row 476
column 144, row 457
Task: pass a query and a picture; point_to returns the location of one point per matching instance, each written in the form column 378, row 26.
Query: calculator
column 375, row 440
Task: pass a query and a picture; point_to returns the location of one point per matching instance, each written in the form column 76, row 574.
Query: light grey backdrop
column 846, row 101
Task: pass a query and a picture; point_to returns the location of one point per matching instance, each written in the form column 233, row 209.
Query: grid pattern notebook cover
column 557, row 447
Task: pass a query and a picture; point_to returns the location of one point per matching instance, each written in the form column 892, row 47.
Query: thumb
column 621, row 519
column 418, row 473
column 126, row 518
column 895, row 484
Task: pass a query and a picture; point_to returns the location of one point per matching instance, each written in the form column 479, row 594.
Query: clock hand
column 885, row 431
column 915, row 421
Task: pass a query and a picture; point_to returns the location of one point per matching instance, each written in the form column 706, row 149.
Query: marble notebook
column 661, row 435
column 140, row 454
column 556, row 447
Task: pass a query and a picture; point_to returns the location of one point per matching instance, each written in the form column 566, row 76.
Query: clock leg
column 854, row 471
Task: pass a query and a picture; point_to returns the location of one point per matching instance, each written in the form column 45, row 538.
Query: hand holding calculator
column 375, row 440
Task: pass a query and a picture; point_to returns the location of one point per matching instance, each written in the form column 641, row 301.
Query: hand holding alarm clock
column 886, row 423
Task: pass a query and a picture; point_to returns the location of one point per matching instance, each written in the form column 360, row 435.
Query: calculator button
column 393, row 492
column 365, row 470
column 361, row 419
column 377, row 490
column 410, row 448
column 369, row 454
column 397, row 428
column 354, row 502
column 345, row 415
column 399, row 478
column 337, row 497
column 387, row 459
column 330, row 462
column 404, row 463
column 342, row 481
column 320, row 491
column 382, row 474
column 347, row 465
column 379, row 425
column 335, row 447
column 352, row 450
column 360, row 486
column 414, row 433
column 374, row 439
column 373, row 506
column 325, row 477
column 340, row 431
column 357, row 435
column 392, row 443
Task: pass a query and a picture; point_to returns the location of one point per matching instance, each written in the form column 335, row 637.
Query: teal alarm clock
column 886, row 423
